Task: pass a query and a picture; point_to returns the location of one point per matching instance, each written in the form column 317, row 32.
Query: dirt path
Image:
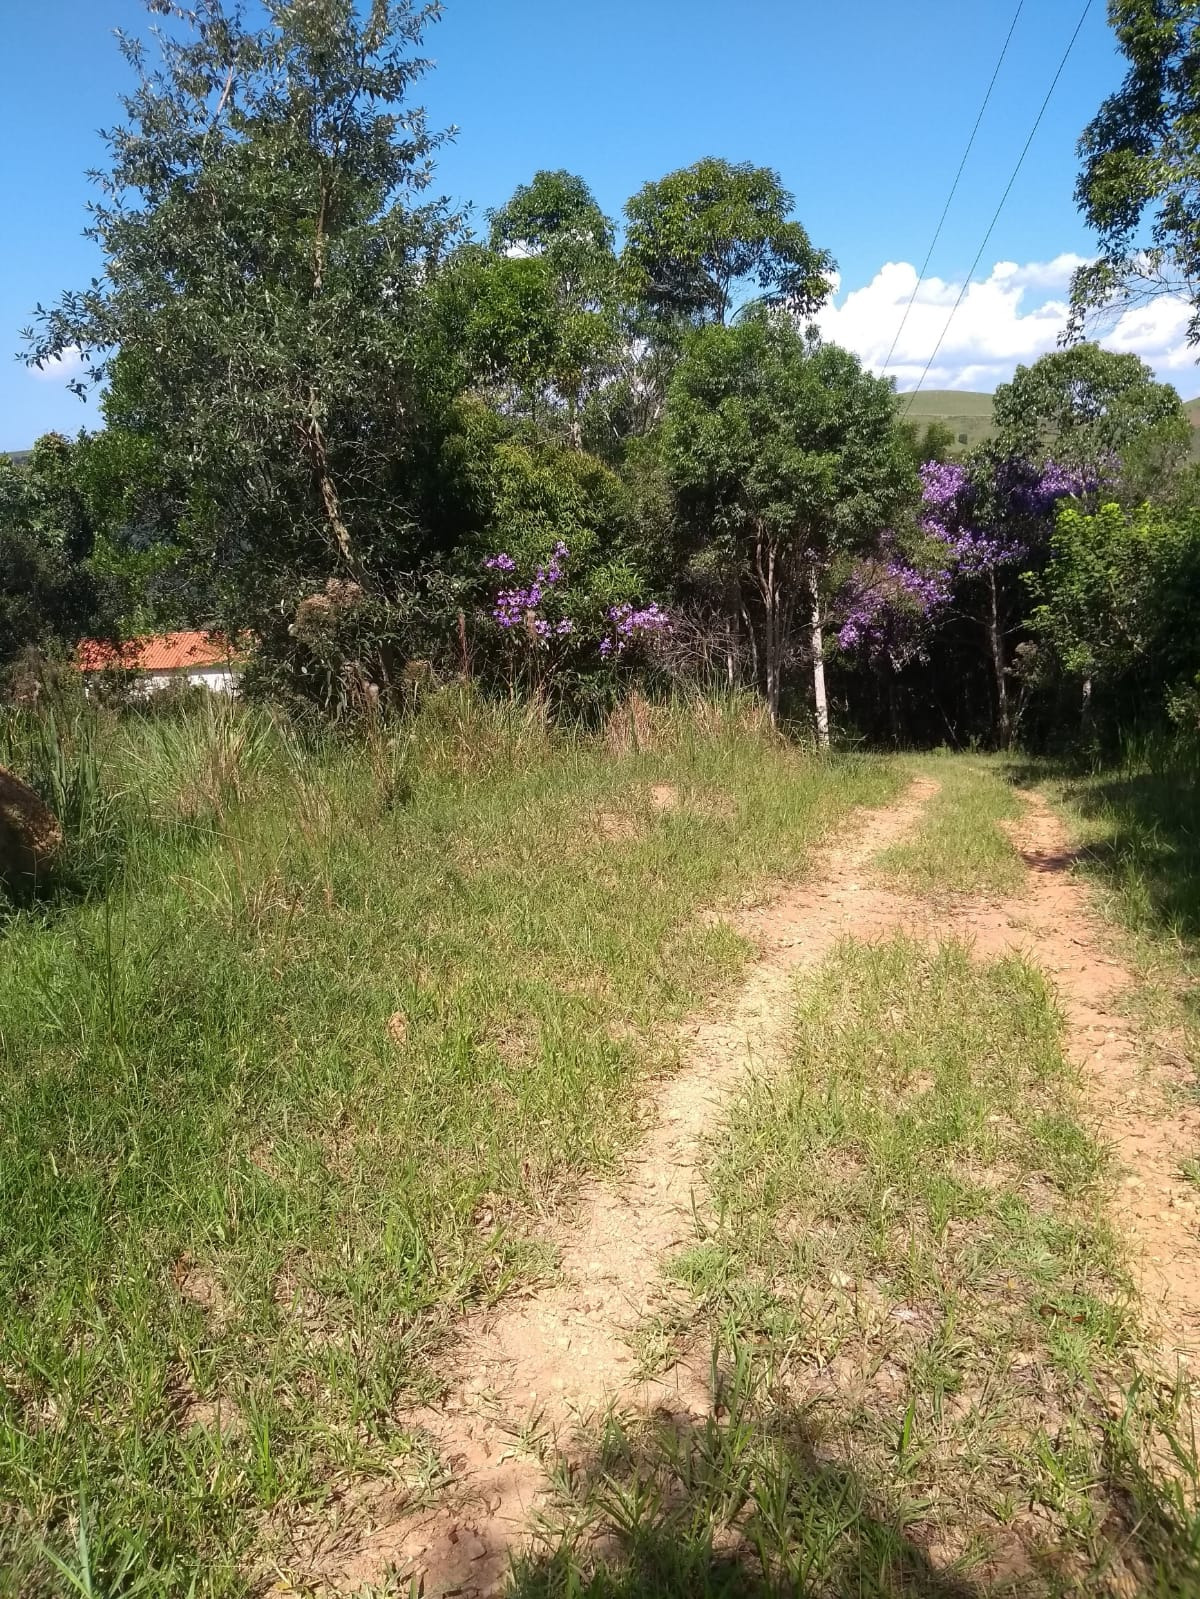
column 539, row 1365
column 1136, row 1105
column 560, row 1353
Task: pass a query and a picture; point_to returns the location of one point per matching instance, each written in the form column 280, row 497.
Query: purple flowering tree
column 633, row 629
column 532, row 616
column 994, row 519
column 542, row 624
column 983, row 522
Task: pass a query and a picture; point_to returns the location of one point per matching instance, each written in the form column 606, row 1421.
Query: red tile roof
column 158, row 652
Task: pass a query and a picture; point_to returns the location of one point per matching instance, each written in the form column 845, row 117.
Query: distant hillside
column 969, row 415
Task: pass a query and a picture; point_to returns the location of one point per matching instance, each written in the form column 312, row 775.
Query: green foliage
column 1140, row 165
column 785, row 457
column 935, row 442
column 534, row 317
column 49, row 593
column 258, row 223
column 699, row 236
column 1090, row 408
column 1119, row 596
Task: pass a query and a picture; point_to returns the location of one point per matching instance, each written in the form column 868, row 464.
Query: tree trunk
column 817, row 646
column 773, row 632
column 999, row 665
column 752, row 641
column 314, row 442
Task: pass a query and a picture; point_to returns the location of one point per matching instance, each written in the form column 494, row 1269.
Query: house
column 156, row 661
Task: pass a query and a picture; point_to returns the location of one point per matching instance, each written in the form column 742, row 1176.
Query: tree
column 48, row 592
column 263, row 258
column 1139, row 186
column 1118, row 598
column 556, row 214
column 535, row 315
column 785, row 457
column 700, row 235
column 1090, row 409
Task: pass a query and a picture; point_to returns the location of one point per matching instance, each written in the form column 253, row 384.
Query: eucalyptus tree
column 265, row 242
column 534, row 316
column 1139, row 185
column 786, row 462
column 701, row 238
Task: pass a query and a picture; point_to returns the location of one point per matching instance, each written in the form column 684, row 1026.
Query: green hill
column 969, row 415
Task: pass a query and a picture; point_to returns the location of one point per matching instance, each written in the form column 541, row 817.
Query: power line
column 1003, row 199
column 937, row 232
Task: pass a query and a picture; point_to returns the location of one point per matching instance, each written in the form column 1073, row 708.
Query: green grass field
column 313, row 1036
column 294, row 1081
column 969, row 415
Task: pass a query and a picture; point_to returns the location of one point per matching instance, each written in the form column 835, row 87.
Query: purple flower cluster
column 632, row 625
column 518, row 607
column 889, row 603
column 974, row 526
column 521, row 611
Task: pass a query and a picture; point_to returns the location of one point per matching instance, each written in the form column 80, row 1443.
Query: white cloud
column 1010, row 317
column 62, row 368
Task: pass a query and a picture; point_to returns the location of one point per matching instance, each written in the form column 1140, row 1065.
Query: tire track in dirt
column 561, row 1353
column 1135, row 1102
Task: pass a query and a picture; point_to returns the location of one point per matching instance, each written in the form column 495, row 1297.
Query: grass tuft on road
column 961, row 846
column 923, row 1371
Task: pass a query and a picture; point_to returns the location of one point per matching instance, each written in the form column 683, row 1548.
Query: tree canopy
column 342, row 423
column 1087, row 407
column 697, row 237
column 1139, row 185
column 785, row 455
column 264, row 246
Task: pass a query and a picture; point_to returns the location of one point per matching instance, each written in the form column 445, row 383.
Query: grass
column 1138, row 824
column 295, row 1064
column 969, row 416
column 923, row 1368
column 961, row 846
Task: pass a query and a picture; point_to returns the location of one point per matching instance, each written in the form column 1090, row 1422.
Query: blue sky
column 863, row 107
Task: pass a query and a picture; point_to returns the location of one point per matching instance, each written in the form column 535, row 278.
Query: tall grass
column 302, row 1076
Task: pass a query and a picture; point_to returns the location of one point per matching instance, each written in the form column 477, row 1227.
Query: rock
column 30, row 835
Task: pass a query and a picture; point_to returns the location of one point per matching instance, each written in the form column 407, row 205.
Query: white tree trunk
column 817, row 646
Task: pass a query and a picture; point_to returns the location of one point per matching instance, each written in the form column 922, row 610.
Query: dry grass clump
column 639, row 725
